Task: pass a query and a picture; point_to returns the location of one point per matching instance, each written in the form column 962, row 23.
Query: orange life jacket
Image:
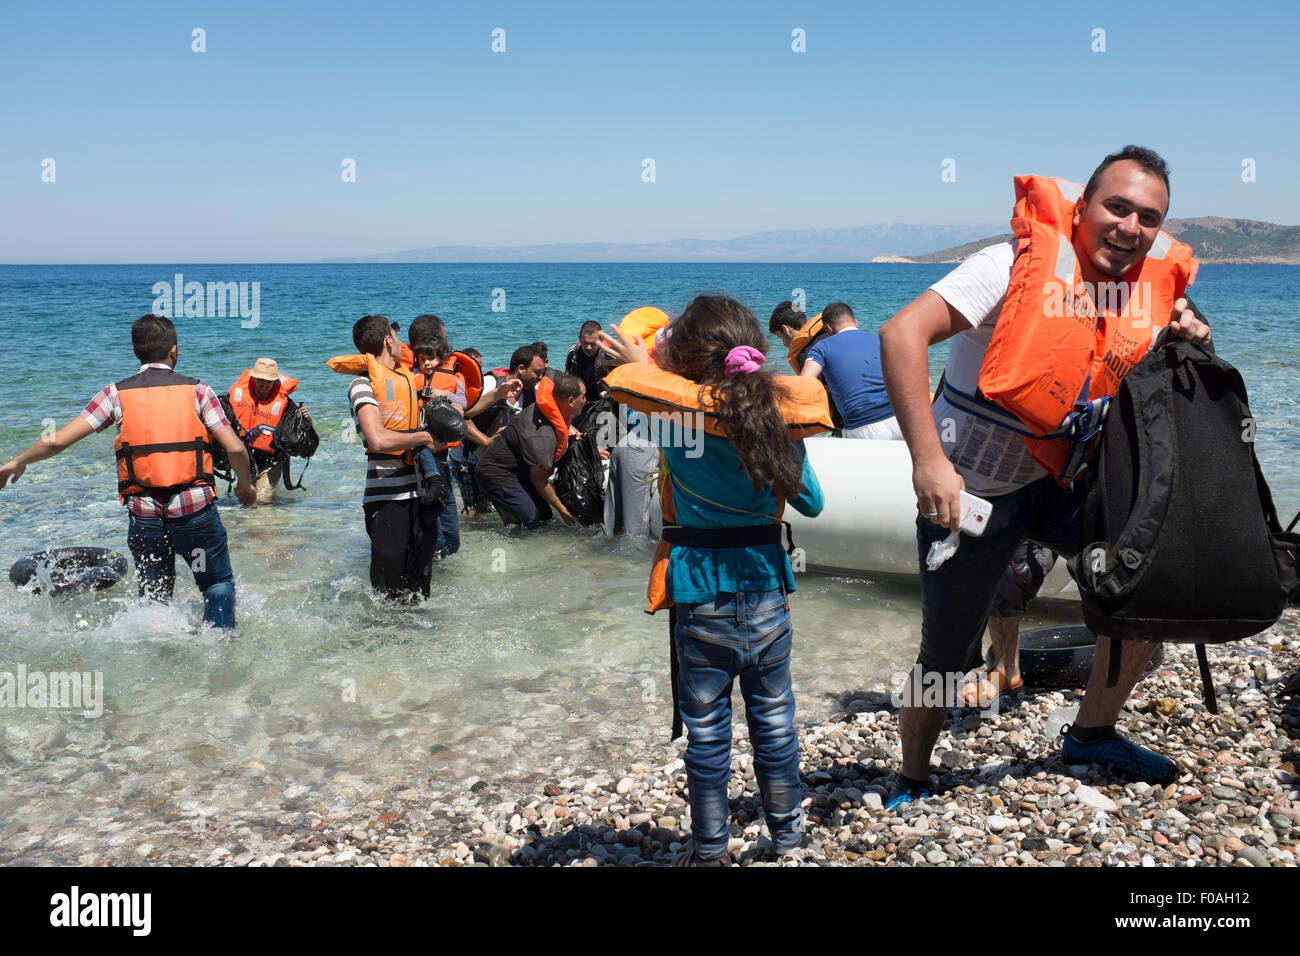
column 459, row 368
column 1060, row 348
column 408, row 357
column 162, row 447
column 470, row 373
column 259, row 419
column 810, row 332
column 654, row 391
column 545, row 395
column 395, row 391
column 645, row 322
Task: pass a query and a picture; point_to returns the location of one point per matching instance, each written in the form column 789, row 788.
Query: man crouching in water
column 515, row 469
column 1115, row 222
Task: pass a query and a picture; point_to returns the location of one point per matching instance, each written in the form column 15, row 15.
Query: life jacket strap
column 1079, row 428
column 741, row 536
column 982, row 408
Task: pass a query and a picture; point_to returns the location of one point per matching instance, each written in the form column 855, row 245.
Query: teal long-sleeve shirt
column 710, row 467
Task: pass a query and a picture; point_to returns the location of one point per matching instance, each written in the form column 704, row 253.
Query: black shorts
column 957, row 596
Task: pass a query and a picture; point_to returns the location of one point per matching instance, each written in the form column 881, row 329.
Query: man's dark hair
column 567, row 386
column 540, row 349
column 1148, row 159
column 785, row 314
column 588, row 327
column 475, row 354
column 837, row 314
column 428, row 334
column 523, row 357
column 152, row 338
column 370, row 333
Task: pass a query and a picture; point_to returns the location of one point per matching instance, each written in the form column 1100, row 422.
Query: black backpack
column 295, row 435
column 1185, row 543
column 220, row 460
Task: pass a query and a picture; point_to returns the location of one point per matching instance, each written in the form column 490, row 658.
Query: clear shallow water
column 533, row 652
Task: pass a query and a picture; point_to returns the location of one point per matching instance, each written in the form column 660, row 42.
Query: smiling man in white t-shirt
column 1116, row 221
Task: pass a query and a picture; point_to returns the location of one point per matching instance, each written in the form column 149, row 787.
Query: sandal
column 987, row 689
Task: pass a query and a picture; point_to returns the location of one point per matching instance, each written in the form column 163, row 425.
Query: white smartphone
column 974, row 514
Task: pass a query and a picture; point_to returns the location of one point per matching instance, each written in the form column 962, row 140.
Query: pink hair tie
column 742, row 360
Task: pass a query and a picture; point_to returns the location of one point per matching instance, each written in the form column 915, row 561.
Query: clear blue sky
column 165, row 155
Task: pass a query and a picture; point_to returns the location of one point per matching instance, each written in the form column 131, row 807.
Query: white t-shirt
column 991, row 459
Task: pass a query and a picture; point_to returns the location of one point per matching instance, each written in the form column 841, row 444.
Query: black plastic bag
column 295, row 435
column 579, row 481
column 598, row 418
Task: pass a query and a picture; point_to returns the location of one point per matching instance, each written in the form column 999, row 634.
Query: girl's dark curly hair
column 696, row 348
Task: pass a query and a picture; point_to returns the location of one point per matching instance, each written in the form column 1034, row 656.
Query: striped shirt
column 388, row 477
column 106, row 409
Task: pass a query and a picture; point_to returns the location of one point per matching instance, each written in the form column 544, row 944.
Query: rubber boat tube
column 868, row 526
column 69, row 570
column 1058, row 658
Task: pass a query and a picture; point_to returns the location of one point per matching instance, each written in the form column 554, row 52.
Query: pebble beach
column 1004, row 796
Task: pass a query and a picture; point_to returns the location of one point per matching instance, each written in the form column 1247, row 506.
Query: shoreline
column 1005, row 797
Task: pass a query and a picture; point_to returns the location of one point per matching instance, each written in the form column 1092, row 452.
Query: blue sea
column 533, row 654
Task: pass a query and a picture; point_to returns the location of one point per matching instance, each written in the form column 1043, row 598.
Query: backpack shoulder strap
column 1113, row 568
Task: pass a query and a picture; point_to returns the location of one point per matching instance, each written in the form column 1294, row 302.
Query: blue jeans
column 444, row 525
column 449, row 520
column 200, row 539
column 748, row 636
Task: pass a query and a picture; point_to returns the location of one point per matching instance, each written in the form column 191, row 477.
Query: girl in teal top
column 733, row 616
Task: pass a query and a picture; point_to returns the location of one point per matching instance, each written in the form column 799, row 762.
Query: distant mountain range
column 859, row 244
column 1216, row 241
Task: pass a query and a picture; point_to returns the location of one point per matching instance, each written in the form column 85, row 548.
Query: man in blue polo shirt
column 850, row 361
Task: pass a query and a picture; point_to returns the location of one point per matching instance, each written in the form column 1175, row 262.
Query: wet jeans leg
column 200, row 539
column 705, row 674
column 769, row 711
column 155, row 560
column 449, row 520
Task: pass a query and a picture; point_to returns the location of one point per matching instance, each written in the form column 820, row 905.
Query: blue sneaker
column 1123, row 755
column 902, row 795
